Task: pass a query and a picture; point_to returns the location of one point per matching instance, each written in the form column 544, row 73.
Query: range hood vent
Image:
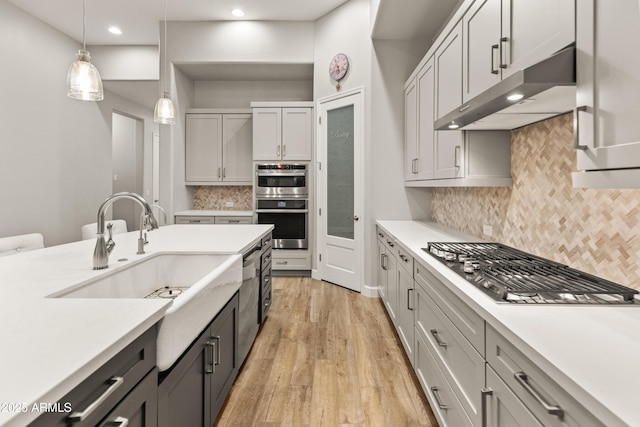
column 548, row 89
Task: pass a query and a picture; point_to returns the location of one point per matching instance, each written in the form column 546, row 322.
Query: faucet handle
column 110, row 242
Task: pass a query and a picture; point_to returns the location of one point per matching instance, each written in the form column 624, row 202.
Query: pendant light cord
column 84, row 24
column 165, row 47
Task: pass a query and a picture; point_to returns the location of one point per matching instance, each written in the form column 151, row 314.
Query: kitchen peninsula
column 52, row 344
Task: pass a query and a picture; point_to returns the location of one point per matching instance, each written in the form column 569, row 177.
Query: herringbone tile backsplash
column 594, row 230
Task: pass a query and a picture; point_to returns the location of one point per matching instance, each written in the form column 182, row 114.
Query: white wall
column 55, row 167
column 120, row 62
column 382, row 68
column 239, row 94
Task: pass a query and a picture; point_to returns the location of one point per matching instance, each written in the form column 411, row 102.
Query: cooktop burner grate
column 512, row 275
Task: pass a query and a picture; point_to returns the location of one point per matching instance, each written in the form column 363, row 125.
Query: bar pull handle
column 211, row 366
column 485, row 393
column 224, row 172
column 284, row 151
column 409, row 293
column 523, row 380
column 219, row 173
column 404, row 258
column 77, row 417
column 390, row 243
column 494, row 48
column 576, row 127
column 383, row 262
column 503, row 40
column 216, row 359
column 441, row 405
column 278, row 151
column 119, row 421
column 456, row 154
column 441, row 343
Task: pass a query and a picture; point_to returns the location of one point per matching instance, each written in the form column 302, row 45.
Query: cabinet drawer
column 139, row 408
column 466, row 320
column 460, row 362
column 504, row 409
column 290, row 262
column 544, row 398
column 233, row 220
column 404, row 259
column 109, row 384
column 443, row 401
column 195, row 220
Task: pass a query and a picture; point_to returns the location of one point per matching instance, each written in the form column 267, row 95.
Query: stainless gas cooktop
column 510, row 275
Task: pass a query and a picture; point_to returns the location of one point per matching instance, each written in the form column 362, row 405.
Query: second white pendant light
column 164, row 112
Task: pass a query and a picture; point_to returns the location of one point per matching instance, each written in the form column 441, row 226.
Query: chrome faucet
column 103, row 249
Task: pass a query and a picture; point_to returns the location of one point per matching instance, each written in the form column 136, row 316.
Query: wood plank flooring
column 326, row 356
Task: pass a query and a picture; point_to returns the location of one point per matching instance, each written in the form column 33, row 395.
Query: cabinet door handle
column 523, row 380
column 219, row 174
column 404, row 258
column 409, row 292
column 282, row 262
column 576, row 127
column 456, row 154
column 120, row 422
column 503, row 40
column 441, row 343
column 224, row 172
column 390, row 243
column 278, row 151
column 211, row 366
column 77, row 417
column 383, row 261
column 484, row 393
column 441, row 405
column 195, row 221
column 216, row 360
column 284, row 151
column 494, row 48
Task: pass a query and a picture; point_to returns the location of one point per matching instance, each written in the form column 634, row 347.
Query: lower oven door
column 289, row 219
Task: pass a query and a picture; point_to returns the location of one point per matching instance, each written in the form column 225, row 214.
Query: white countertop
column 590, row 351
column 49, row 345
column 205, row 212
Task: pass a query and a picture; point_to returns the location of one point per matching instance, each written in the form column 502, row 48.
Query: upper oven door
column 281, row 180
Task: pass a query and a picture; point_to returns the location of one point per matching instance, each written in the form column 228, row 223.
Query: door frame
column 359, row 235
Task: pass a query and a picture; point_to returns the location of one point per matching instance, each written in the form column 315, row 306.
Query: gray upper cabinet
column 419, row 118
column 451, row 157
column 505, row 36
column 608, row 89
column 218, row 148
column 282, row 133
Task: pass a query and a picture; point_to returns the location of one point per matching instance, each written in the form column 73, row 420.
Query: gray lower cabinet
column 192, row 392
column 503, row 408
column 123, row 390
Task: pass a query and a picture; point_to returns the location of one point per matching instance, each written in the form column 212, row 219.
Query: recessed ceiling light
column 454, row 126
column 238, row 13
column 515, row 97
column 115, row 30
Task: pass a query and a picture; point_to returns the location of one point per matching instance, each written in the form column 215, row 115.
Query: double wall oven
column 282, row 199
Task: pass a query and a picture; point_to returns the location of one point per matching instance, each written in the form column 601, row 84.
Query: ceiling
column 138, row 19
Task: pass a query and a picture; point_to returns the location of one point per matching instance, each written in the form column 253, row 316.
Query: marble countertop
column 51, row 344
column 590, row 351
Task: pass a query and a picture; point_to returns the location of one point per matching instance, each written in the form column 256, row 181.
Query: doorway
column 127, row 156
column 340, row 189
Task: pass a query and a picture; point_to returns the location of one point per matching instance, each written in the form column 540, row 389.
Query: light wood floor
column 326, row 356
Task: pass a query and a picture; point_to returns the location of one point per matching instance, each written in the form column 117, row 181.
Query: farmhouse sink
column 198, row 285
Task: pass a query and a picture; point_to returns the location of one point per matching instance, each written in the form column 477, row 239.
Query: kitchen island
column 590, row 352
column 50, row 345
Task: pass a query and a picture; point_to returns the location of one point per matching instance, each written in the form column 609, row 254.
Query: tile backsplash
column 216, row 197
column 595, row 230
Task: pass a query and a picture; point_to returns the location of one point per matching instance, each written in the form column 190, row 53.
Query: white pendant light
column 164, row 112
column 83, row 79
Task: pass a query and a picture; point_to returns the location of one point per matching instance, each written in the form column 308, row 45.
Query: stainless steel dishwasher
column 249, row 300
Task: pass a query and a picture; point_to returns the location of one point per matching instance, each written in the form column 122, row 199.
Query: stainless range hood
column 548, row 89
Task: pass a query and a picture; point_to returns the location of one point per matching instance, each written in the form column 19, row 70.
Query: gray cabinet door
column 224, row 338
column 503, row 408
column 608, row 84
column 237, row 149
column 203, row 150
column 184, row 395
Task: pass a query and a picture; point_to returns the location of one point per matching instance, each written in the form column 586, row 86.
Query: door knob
column 356, row 218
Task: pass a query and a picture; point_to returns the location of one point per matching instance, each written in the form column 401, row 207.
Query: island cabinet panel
column 192, row 392
column 503, row 408
column 116, row 389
